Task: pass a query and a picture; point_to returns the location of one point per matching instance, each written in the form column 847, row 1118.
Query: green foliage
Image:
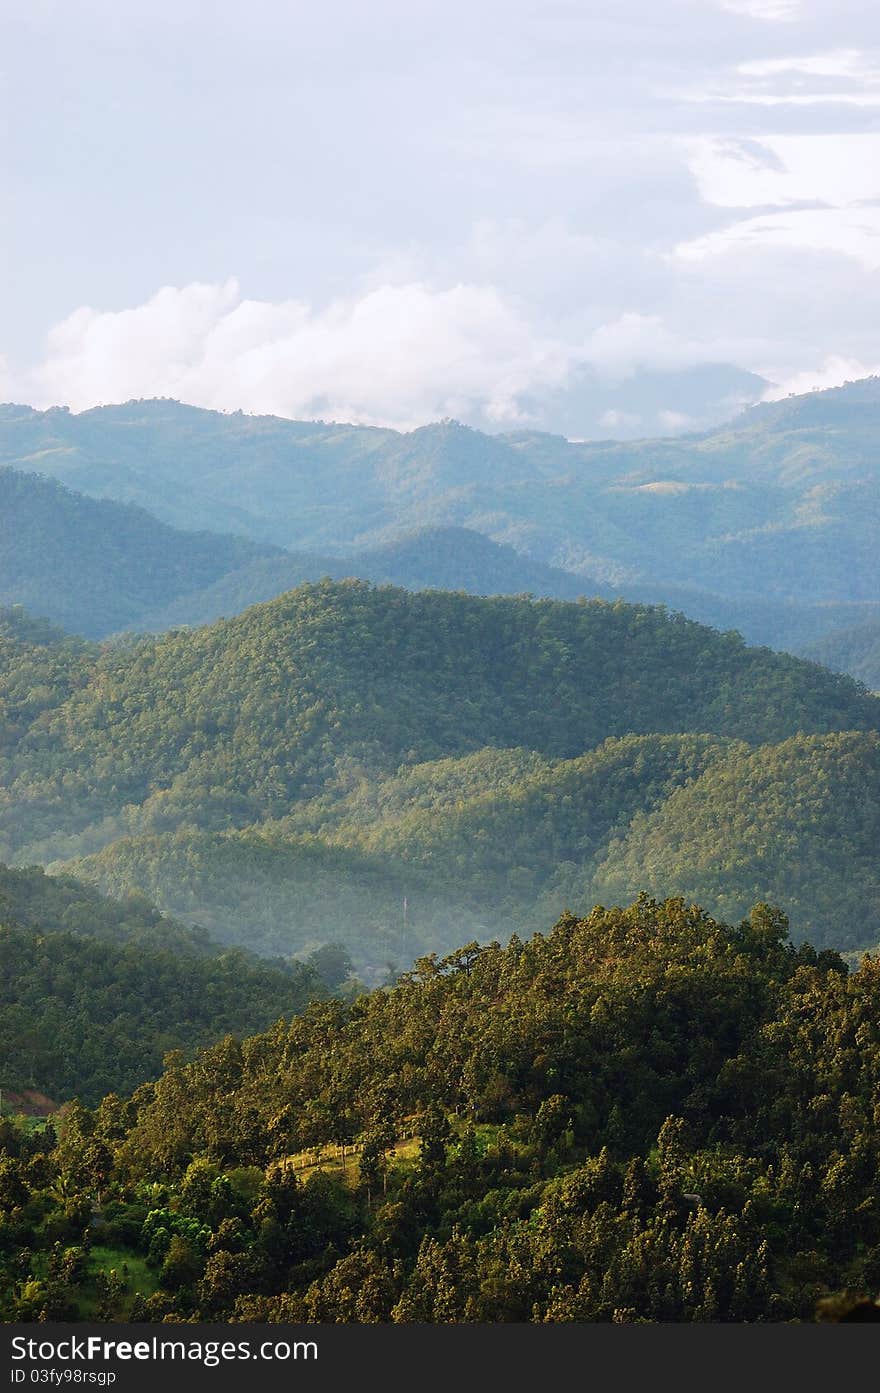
column 380, row 746
column 643, row 1115
column 79, row 1015
column 95, row 991
column 31, row 899
column 798, row 823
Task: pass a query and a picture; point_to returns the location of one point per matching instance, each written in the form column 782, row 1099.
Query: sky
column 557, row 214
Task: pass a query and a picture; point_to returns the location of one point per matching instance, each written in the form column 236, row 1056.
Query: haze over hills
column 783, row 502
column 94, row 566
column 663, row 523
column 855, row 650
column 284, row 777
column 457, row 558
column 97, row 567
column 434, row 558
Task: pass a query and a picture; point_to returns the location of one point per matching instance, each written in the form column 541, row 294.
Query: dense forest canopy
column 83, row 1017
column 54, row 904
column 95, row 991
column 661, row 1112
column 643, row 1115
column 728, row 835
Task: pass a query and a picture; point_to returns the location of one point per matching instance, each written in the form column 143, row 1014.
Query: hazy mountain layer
column 95, row 566
column 855, row 650
column 785, row 501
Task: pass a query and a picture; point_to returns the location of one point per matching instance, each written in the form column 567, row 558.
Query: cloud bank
column 396, row 355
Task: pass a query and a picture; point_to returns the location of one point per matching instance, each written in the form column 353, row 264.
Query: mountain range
column 757, row 507
column 768, row 525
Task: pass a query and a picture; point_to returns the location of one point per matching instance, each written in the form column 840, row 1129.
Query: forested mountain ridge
column 637, row 1116
column 490, row 838
column 782, row 502
column 231, row 724
column 499, row 836
column 97, row 567
column 331, row 765
column 727, row 837
column 646, row 1113
column 432, row 558
column 458, row 558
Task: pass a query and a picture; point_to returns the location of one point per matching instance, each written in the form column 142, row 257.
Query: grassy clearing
column 133, row 1268
column 332, row 1160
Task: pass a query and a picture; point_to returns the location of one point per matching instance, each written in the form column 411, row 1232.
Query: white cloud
column 673, row 421
column 836, row 77
column 397, row 355
column 616, row 420
column 635, row 342
column 852, row 232
column 834, row 372
column 780, row 170
column 838, row 172
column 773, row 11
column 838, row 62
column 632, row 341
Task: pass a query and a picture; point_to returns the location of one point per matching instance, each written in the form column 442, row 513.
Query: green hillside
column 643, row 1114
column 493, row 840
column 469, row 843
column 32, row 900
column 95, row 991
column 503, row 841
column 237, row 722
column 295, row 774
column 81, row 1016
column 94, row 566
column 798, row 822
